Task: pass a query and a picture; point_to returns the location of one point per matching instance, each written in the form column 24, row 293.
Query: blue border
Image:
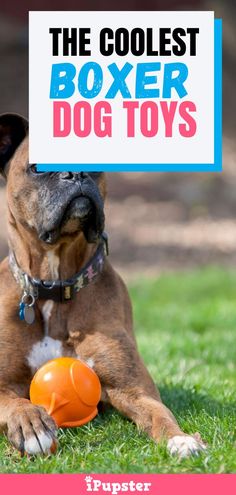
column 172, row 167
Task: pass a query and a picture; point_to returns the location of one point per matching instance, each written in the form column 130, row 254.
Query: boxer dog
column 59, row 296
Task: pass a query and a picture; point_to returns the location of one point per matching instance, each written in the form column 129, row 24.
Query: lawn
column 186, row 327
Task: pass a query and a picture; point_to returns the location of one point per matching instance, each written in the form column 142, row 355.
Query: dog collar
column 58, row 290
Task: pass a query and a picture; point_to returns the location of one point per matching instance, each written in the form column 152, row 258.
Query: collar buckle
column 61, row 292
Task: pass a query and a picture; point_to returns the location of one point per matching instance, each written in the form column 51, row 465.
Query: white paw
column 41, row 444
column 184, row 446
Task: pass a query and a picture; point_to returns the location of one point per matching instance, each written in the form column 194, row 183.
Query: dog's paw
column 185, row 445
column 31, row 430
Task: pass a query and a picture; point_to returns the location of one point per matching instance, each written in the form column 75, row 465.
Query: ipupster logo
column 95, row 485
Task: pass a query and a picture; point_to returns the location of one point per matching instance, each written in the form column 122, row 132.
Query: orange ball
column 68, row 389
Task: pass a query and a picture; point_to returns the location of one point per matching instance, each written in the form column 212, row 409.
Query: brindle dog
column 55, row 221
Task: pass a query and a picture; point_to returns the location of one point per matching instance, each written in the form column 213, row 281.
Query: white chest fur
column 43, row 351
column 47, row 349
column 46, row 312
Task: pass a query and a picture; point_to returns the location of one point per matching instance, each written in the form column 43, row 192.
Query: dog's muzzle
column 74, row 197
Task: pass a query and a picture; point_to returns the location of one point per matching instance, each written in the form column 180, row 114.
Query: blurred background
column 157, row 222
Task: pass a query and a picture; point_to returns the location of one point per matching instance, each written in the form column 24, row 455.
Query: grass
column 186, row 331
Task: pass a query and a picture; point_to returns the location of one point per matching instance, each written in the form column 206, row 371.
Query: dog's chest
column 57, row 319
column 52, row 345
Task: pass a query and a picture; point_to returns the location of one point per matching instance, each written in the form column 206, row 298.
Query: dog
column 60, row 296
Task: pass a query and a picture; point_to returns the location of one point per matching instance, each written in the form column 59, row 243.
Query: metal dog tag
column 26, row 308
column 29, row 314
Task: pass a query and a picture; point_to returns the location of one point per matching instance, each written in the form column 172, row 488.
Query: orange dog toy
column 68, row 389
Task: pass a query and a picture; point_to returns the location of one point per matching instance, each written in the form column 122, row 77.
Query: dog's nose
column 66, row 175
column 74, row 176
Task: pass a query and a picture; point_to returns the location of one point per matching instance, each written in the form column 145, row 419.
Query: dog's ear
column 13, row 129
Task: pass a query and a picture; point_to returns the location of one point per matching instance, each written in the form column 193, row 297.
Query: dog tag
column 29, row 314
column 26, row 308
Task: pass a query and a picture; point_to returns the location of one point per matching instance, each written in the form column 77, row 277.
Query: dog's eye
column 33, row 169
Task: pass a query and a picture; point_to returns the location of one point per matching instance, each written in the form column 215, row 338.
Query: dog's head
column 53, row 206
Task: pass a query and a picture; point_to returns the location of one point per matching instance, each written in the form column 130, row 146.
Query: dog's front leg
column 128, row 387
column 153, row 417
column 29, row 428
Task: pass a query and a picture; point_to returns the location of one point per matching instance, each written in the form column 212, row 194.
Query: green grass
column 186, row 331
